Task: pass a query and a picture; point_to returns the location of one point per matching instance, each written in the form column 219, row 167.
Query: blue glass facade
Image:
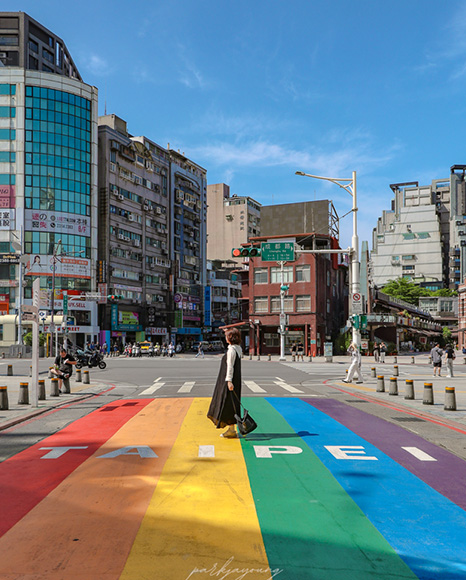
column 57, row 165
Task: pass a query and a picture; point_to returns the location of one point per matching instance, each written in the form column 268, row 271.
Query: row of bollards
column 428, row 395
column 23, row 395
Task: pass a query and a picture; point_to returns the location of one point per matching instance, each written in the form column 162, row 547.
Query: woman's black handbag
column 246, row 423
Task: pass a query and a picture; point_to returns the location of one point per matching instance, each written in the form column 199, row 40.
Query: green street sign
column 65, row 303
column 277, row 251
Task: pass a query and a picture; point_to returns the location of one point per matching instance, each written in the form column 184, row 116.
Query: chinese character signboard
column 64, row 266
column 57, row 222
column 277, row 251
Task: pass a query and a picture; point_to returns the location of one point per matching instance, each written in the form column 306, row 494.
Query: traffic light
column 245, row 252
column 113, row 297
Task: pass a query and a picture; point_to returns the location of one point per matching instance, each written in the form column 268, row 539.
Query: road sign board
column 277, row 251
column 29, row 308
column 357, row 303
column 29, row 316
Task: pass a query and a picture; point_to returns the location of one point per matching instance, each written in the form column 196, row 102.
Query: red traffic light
column 236, row 252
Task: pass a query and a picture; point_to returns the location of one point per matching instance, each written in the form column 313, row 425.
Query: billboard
column 65, row 266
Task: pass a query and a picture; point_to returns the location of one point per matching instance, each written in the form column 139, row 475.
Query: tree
column 27, row 339
column 447, row 334
column 405, row 290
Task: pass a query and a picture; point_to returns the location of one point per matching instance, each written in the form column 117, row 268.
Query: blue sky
column 255, row 90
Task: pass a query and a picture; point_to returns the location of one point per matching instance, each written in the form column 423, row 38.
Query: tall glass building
column 48, row 181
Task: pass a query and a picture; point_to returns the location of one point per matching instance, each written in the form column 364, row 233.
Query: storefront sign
column 9, row 283
column 57, row 222
column 7, row 219
column 7, row 196
column 65, row 266
column 9, row 258
column 154, row 331
column 207, row 306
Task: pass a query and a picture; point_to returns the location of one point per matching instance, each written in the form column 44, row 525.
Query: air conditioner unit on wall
column 136, row 243
column 121, row 237
column 131, row 218
column 121, row 197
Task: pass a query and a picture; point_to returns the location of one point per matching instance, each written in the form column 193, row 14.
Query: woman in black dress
column 224, row 403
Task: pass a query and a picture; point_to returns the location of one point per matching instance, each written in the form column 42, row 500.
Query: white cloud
column 97, row 65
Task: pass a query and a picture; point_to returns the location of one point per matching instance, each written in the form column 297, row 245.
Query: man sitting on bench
column 63, row 367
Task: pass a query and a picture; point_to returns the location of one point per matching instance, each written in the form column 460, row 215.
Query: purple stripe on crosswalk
column 447, row 475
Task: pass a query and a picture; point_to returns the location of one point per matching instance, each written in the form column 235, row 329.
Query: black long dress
column 224, row 404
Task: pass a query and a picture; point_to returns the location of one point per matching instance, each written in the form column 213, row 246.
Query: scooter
column 90, row 359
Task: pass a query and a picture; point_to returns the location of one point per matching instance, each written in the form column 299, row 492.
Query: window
column 409, row 236
column 275, row 304
column 260, row 275
column 1, row 331
column 303, row 303
column 303, row 273
column 8, row 40
column 8, row 112
column 261, row 304
column 7, row 134
column 275, row 275
column 7, row 89
column 423, row 235
column 272, row 340
column 288, row 304
column 408, row 257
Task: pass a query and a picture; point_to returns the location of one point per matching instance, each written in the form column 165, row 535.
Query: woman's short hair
column 233, row 335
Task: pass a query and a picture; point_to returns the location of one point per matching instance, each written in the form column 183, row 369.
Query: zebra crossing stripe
column 254, row 387
column 151, row 390
column 186, row 388
column 287, row 387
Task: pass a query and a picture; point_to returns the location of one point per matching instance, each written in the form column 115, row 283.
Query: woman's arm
column 231, row 355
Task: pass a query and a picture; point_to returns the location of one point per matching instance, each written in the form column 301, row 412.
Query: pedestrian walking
column 355, row 366
column 449, row 358
column 376, row 352
column 227, row 393
column 200, row 350
column 383, row 352
column 300, row 350
column 436, row 355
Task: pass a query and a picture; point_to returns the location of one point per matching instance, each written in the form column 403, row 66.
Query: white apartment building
column 411, row 240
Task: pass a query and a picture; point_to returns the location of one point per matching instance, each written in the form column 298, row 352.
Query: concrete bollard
column 3, row 398
column 412, row 360
column 66, row 388
column 430, row 360
column 395, row 360
column 465, row 360
column 54, row 392
column 258, row 357
column 373, row 372
column 86, row 380
column 23, row 398
column 450, row 399
column 293, row 358
column 41, row 385
column 78, row 376
column 30, row 371
column 393, row 388
column 20, row 355
column 380, row 384
column 310, row 358
column 396, row 372
column 428, row 398
column 250, row 357
column 9, row 370
column 270, row 357
column 3, row 355
column 50, row 376
column 409, row 393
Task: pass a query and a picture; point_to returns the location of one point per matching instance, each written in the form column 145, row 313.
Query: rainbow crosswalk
column 146, row 489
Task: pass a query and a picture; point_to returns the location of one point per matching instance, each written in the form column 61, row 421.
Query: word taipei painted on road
column 320, row 490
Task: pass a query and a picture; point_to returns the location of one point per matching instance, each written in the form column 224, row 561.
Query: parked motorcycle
column 90, row 359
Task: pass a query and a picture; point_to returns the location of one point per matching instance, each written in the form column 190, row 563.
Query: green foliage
column 405, row 290
column 446, row 333
column 342, row 343
column 27, row 339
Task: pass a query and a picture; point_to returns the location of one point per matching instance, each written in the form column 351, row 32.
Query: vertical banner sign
column 114, row 316
column 207, row 307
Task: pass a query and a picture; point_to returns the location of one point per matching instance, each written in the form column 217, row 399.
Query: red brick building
column 315, row 304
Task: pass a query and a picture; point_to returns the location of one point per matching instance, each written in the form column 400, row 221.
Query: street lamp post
column 349, row 185
column 52, row 300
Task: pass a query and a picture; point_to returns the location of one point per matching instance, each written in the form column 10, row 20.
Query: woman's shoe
column 229, row 434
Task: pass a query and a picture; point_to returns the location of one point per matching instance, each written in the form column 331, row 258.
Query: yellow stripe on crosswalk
column 201, row 521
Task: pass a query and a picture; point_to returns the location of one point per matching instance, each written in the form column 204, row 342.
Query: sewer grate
column 408, row 420
column 356, row 401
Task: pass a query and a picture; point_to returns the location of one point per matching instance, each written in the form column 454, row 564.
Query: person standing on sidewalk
column 449, row 358
column 376, row 352
column 436, row 355
column 355, row 366
column 300, row 350
column 383, row 350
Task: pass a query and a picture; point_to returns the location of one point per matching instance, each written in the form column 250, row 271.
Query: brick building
column 315, row 304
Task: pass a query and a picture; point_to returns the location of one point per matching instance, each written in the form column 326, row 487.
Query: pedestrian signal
column 245, row 252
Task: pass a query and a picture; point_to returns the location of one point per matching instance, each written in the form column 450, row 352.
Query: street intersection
column 128, row 479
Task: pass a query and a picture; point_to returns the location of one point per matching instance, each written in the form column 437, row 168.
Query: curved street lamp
column 349, row 185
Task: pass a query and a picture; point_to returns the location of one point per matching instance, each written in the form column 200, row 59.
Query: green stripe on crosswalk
column 311, row 528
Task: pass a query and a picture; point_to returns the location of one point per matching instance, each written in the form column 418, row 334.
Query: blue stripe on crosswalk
column 427, row 530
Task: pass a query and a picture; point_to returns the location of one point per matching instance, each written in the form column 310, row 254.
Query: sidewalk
column 18, row 413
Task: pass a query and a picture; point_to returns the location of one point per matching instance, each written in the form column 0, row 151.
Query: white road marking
column 186, row 388
column 419, row 454
column 151, row 390
column 254, row 387
column 287, row 387
column 206, row 451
